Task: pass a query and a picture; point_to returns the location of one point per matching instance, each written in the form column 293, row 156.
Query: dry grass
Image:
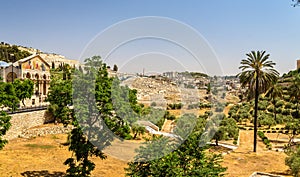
column 44, row 156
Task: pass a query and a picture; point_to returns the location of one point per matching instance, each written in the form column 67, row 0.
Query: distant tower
column 298, row 64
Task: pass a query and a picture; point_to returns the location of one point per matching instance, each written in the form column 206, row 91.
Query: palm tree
column 258, row 75
column 275, row 91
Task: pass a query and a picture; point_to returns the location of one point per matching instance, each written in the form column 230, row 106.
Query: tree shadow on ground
column 43, row 173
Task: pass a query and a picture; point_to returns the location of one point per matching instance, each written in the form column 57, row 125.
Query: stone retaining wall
column 24, row 121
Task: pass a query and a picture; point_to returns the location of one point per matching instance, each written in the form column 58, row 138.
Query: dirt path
column 243, row 162
column 167, row 127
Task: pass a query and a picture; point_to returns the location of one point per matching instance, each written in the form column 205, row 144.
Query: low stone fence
column 34, row 132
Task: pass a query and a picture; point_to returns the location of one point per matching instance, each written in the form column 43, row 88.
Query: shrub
column 261, row 134
column 279, row 103
column 153, row 104
column 266, row 141
column 288, row 105
column 286, row 112
column 270, row 108
column 278, row 110
column 262, row 106
column 286, row 97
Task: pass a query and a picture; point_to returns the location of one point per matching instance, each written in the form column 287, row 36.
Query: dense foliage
column 293, row 160
column 6, row 51
column 24, row 89
column 60, row 94
column 188, row 158
column 102, row 109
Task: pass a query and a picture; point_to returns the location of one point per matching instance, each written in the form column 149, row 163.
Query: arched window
column 11, row 76
column 37, row 76
column 28, row 76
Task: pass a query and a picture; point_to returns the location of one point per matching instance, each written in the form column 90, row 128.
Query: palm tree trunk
column 255, row 114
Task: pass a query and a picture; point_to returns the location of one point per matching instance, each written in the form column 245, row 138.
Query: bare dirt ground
column 243, row 162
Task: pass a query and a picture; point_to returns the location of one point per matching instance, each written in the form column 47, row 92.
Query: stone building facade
column 34, row 68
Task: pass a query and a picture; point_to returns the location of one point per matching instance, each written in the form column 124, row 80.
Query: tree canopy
column 24, row 89
column 6, row 51
column 188, row 158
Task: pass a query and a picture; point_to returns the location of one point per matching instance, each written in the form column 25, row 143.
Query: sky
column 195, row 35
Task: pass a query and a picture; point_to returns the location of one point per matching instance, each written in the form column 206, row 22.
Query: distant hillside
column 6, row 50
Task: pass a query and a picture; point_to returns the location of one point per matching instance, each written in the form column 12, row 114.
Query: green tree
column 208, row 90
column 94, row 117
column 60, row 94
column 115, row 68
column 189, row 159
column 266, row 119
column 8, row 97
column 274, row 92
column 293, row 161
column 6, row 51
column 258, row 74
column 4, row 126
column 137, row 130
column 294, row 92
column 222, row 128
column 23, row 89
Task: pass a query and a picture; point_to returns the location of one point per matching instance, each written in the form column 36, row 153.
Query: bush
column 286, row 97
column 288, row 106
column 278, row 110
column 270, row 108
column 266, row 141
column 286, row 112
column 279, row 103
column 262, row 106
column 261, row 134
column 153, row 104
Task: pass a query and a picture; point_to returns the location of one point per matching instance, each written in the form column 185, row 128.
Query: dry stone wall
column 24, row 121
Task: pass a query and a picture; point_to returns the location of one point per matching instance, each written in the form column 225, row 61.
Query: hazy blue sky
column 231, row 27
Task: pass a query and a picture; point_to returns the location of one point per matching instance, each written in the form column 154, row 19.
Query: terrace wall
column 24, row 121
